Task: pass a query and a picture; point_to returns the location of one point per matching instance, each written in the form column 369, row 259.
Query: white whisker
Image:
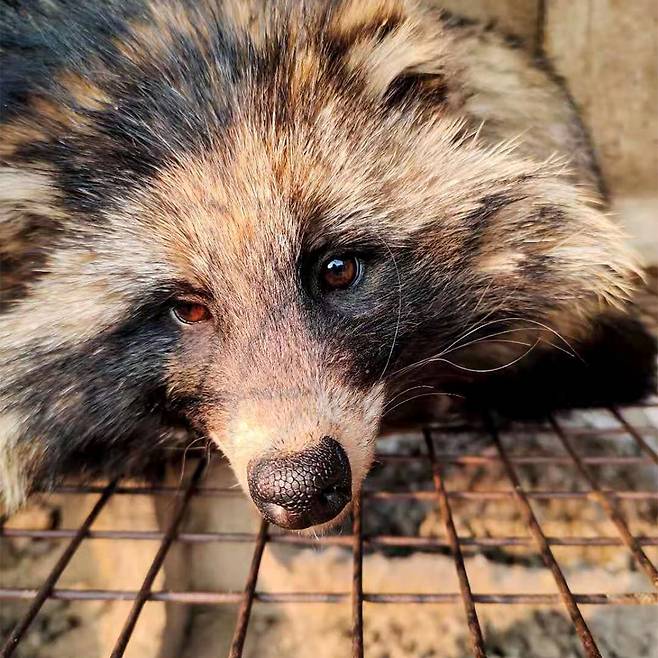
column 421, row 395
column 189, row 445
column 406, row 390
column 458, row 344
column 497, row 368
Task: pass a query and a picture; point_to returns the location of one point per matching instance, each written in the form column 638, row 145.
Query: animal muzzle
column 302, row 489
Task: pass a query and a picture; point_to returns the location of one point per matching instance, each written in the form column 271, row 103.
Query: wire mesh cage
column 604, row 460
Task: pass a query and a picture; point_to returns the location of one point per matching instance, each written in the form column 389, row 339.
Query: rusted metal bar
column 145, row 490
column 248, row 596
column 477, row 640
column 533, row 526
column 44, row 592
column 221, row 598
column 303, row 540
column 427, row 494
column 156, row 564
column 357, row 580
column 639, row 439
column 604, row 500
column 476, row 460
column 641, row 598
column 498, row 495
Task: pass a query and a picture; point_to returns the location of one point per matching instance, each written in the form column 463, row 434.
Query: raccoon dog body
column 273, row 223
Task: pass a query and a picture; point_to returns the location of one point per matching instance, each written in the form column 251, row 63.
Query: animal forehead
column 234, row 204
column 292, row 185
column 225, row 228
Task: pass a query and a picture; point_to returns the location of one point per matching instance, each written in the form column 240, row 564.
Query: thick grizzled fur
column 217, row 151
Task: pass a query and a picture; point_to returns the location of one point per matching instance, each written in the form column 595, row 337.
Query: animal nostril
column 304, row 488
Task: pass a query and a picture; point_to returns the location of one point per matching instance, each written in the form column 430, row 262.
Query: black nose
column 304, row 488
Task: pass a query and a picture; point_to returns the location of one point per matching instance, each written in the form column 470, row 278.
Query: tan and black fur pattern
column 220, row 149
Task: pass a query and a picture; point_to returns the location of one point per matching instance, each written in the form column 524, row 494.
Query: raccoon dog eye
column 340, row 272
column 190, row 312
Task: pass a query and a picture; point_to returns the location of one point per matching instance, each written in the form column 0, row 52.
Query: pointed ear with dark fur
column 402, row 56
column 29, row 225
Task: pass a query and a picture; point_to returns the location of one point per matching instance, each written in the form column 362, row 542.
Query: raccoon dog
column 272, row 224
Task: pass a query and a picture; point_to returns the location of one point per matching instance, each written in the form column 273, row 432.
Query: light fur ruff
column 220, row 149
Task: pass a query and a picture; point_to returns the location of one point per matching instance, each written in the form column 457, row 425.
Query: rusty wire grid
column 430, row 442
column 444, row 496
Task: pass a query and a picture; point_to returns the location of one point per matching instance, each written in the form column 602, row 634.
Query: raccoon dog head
column 254, row 230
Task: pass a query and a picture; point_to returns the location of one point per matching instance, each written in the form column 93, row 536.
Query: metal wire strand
column 584, row 633
column 145, row 590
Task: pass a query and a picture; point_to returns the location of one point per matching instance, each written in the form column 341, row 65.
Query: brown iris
column 340, row 272
column 191, row 312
